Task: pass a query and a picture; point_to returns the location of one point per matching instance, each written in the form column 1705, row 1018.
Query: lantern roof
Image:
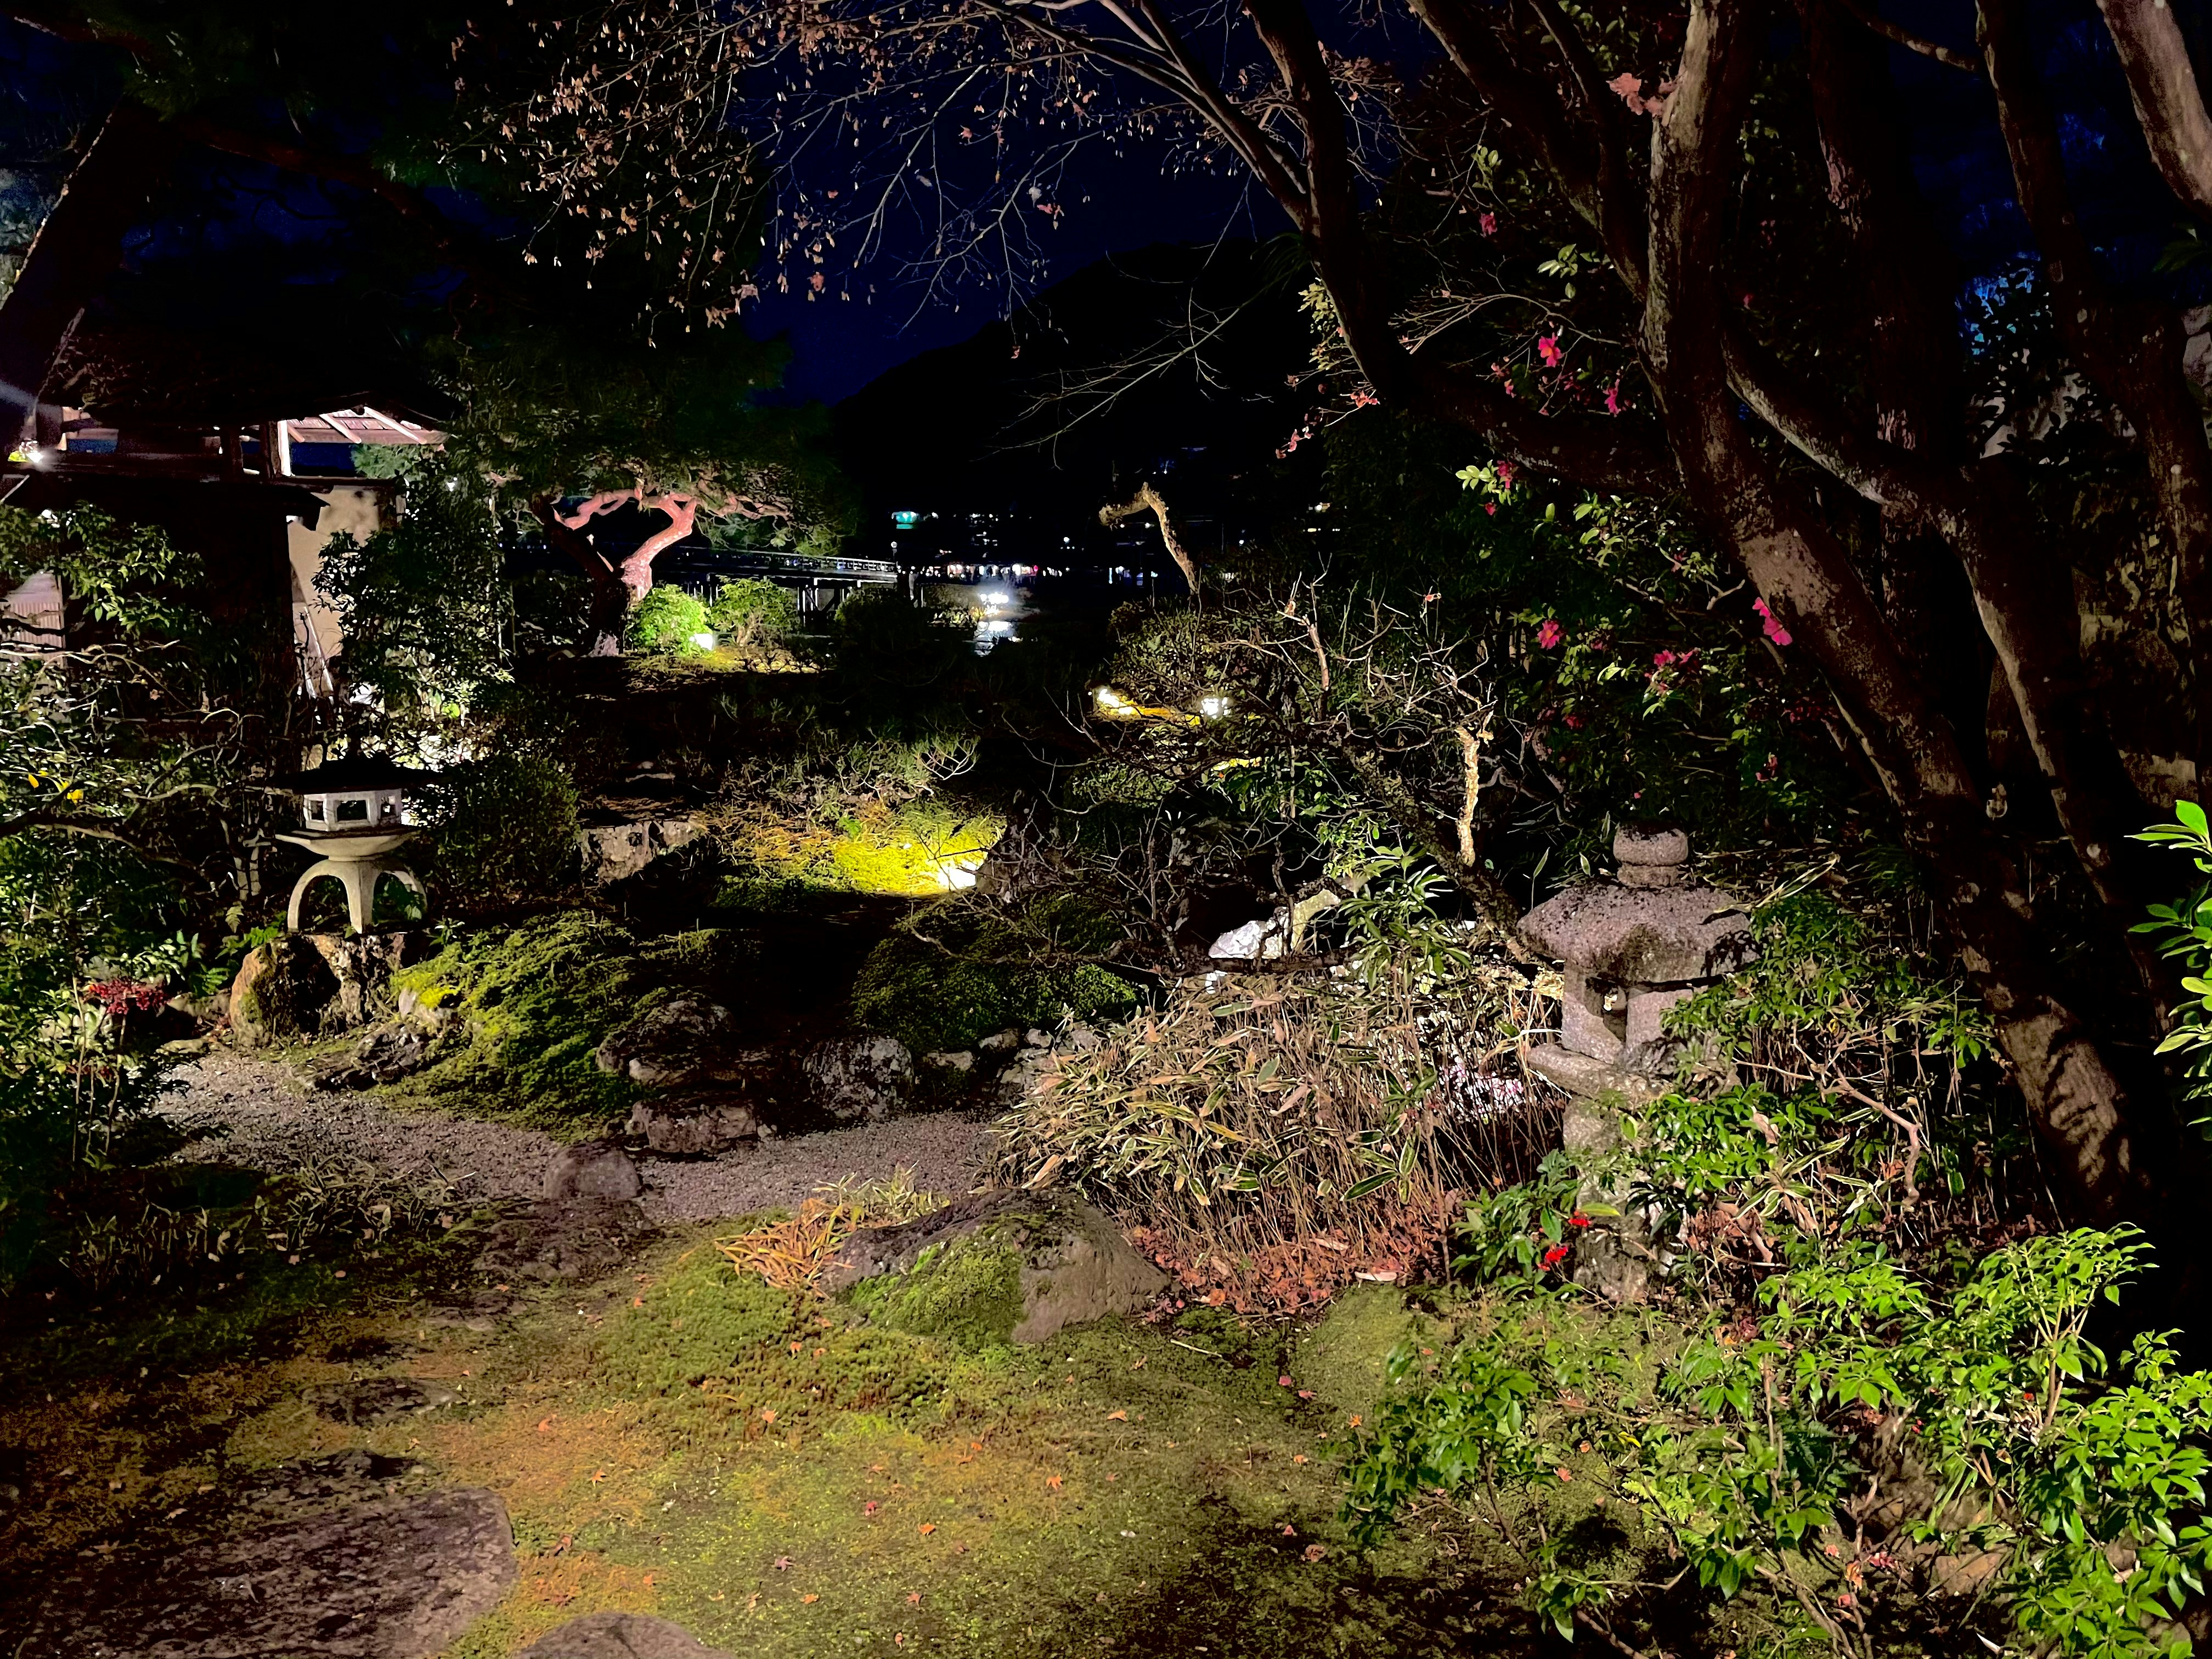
column 352, row 773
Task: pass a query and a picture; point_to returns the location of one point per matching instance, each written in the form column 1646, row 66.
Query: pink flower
column 1505, row 475
column 1489, row 224
column 1664, row 660
column 1490, row 507
column 1613, row 402
column 1550, row 633
column 1774, row 631
column 1547, row 348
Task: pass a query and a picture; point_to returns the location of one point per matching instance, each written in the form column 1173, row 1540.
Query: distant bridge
column 821, row 581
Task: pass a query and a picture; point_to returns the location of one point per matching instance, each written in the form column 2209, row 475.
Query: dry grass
column 1272, row 1139
column 790, row 1255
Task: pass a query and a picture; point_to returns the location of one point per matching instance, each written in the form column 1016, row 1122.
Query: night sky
column 1139, row 199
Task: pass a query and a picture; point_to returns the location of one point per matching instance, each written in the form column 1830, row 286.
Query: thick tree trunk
column 2081, row 1109
column 610, row 599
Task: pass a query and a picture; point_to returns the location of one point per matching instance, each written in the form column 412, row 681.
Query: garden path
column 244, row 1109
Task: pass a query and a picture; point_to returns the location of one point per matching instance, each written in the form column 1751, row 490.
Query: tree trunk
column 2081, row 1109
column 79, row 243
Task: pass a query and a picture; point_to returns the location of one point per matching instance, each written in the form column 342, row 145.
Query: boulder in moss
column 995, row 1268
column 280, row 993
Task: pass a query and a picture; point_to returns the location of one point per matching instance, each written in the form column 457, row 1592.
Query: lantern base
column 358, row 873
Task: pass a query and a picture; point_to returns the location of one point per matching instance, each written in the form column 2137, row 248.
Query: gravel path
column 248, row 1110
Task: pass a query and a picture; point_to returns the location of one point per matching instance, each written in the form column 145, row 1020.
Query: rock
column 592, row 1169
column 1080, row 1038
column 694, row 1122
column 1000, row 1043
column 377, row 1399
column 1036, row 1038
column 561, row 1241
column 681, row 1040
column 615, row 851
column 1001, row 1267
column 621, row 1635
column 385, row 1056
column 280, row 991
column 363, row 965
column 1020, row 1076
column 393, row 1581
column 852, row 1077
column 185, row 1048
column 960, row 1059
column 1265, row 938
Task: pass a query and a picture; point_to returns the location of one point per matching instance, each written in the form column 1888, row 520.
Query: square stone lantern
column 1630, row 949
column 354, row 812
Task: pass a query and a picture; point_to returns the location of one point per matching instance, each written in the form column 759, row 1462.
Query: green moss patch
column 967, row 1293
column 533, row 1003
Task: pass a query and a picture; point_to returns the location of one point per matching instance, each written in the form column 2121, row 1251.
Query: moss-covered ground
column 775, row 1473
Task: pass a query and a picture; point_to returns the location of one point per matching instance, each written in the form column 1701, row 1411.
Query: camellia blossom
column 1505, row 475
column 1578, row 1219
column 1774, row 631
column 1613, row 405
column 1549, row 633
column 1548, row 349
column 1489, row 224
column 1556, row 1254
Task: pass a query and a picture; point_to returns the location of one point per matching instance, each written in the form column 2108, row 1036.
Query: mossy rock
column 995, row 1268
column 282, row 989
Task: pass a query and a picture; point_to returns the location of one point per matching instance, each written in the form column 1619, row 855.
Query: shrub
column 2026, row 1481
column 665, row 620
column 506, row 829
column 1239, row 1125
column 954, row 975
column 750, row 610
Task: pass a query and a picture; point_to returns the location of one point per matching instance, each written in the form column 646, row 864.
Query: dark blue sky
column 1114, row 203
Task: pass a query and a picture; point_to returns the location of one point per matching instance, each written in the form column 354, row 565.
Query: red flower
column 1774, row 631
column 1556, row 1254
column 1489, row 224
column 1577, row 1219
column 1549, row 633
column 1505, row 475
column 1549, row 350
column 122, row 996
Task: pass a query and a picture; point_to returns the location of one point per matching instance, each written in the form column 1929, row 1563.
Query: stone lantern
column 1630, row 949
column 354, row 813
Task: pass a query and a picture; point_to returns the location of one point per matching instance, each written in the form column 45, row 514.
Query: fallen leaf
column 810, row 1598
column 1053, row 1481
column 870, row 1507
column 752, row 1602
column 545, row 1426
column 1355, row 1420
column 1117, row 1417
column 914, row 1598
column 926, row 1527
column 1314, row 1552
column 1564, row 1473
column 1298, row 1457
column 783, row 1563
column 1282, row 1382
column 1305, row 1394
column 768, row 1414
column 1289, row 1531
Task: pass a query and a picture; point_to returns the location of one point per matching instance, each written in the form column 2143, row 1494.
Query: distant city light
column 906, row 520
column 998, row 598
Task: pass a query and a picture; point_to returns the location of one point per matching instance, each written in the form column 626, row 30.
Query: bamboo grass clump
column 1270, row 1137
